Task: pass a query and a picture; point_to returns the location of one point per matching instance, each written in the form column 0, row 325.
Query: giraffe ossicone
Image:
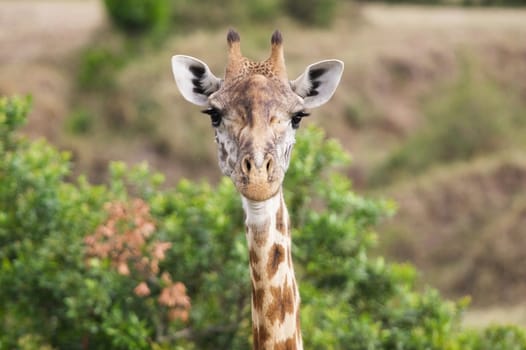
column 255, row 111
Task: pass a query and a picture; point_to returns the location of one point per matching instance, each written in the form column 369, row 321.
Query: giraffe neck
column 275, row 296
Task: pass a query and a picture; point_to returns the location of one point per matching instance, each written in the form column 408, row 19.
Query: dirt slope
column 464, row 228
column 32, row 31
column 37, row 38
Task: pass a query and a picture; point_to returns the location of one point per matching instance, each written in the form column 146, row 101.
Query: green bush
column 495, row 337
column 63, row 288
column 210, row 13
column 312, row 12
column 263, row 10
column 136, row 16
column 13, row 112
column 98, row 67
column 80, row 122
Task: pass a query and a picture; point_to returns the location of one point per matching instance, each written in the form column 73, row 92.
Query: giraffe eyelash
column 296, row 118
column 215, row 116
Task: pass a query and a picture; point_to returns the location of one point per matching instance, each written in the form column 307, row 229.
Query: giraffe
column 255, row 112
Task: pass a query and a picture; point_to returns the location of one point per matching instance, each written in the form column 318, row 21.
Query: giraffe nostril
column 270, row 165
column 249, row 167
column 246, row 165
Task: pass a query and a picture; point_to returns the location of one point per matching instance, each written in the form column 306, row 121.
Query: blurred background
column 432, row 108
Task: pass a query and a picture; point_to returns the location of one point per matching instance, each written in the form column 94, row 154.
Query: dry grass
column 480, row 318
column 37, row 39
column 449, row 18
column 43, row 30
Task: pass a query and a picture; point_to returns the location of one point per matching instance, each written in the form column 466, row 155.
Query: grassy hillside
column 432, row 106
column 463, row 225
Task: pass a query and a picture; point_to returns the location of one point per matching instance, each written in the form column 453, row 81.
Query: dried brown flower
column 126, row 240
column 142, row 290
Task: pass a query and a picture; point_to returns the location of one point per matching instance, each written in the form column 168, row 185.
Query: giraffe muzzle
column 259, row 178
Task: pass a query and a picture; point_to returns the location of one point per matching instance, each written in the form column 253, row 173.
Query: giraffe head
column 255, row 110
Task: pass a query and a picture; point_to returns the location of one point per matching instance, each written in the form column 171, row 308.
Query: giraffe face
column 254, row 121
column 255, row 111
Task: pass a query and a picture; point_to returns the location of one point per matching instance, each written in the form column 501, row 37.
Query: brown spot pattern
column 280, row 224
column 260, row 336
column 245, row 68
column 276, row 256
column 256, row 275
column 258, row 295
column 253, row 257
column 289, row 344
column 260, row 232
column 281, row 305
column 298, row 326
column 254, row 260
column 294, row 288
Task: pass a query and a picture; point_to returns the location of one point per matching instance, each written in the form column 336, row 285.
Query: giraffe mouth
column 258, row 191
column 257, row 176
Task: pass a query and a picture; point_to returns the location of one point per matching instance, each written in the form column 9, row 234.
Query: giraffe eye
column 215, row 116
column 296, row 119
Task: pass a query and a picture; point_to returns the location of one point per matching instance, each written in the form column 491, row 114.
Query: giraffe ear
column 319, row 81
column 194, row 79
